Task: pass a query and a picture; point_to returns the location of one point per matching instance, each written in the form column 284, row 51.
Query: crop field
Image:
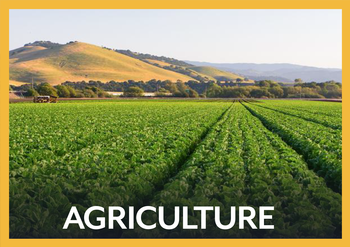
column 287, row 154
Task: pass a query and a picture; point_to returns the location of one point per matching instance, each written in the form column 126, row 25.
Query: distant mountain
column 282, row 72
column 44, row 61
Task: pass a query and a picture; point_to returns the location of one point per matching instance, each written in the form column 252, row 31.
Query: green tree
column 72, row 92
column 98, row 91
column 133, row 92
column 265, row 83
column 79, row 94
column 260, row 93
column 162, row 92
column 88, row 93
column 31, row 92
column 181, row 94
column 332, row 90
column 214, row 91
column 171, row 87
column 181, row 87
column 62, row 91
column 47, row 89
column 298, row 80
column 192, row 93
column 277, row 91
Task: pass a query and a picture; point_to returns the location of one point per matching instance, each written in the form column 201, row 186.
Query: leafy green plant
column 183, row 153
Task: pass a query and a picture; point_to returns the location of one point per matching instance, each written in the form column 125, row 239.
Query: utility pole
column 32, row 83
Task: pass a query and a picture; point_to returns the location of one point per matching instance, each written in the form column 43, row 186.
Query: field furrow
column 327, row 121
column 320, row 146
column 176, row 153
column 128, row 151
column 240, row 162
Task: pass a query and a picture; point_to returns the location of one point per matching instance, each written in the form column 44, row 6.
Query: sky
column 305, row 37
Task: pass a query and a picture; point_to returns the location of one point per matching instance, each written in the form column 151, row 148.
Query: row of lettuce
column 103, row 154
column 318, row 139
column 240, row 162
column 175, row 154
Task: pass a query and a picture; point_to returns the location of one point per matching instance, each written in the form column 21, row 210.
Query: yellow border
column 5, row 5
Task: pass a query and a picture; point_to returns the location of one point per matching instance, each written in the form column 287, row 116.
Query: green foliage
column 192, row 93
column 271, row 89
column 133, row 92
column 96, row 153
column 162, row 93
column 97, row 91
column 240, row 162
column 62, row 91
column 72, row 92
column 32, row 93
column 66, row 91
column 47, row 44
column 180, row 89
column 214, row 91
column 260, row 93
column 263, row 89
column 46, row 89
column 320, row 145
column 298, row 80
column 89, row 93
column 182, row 153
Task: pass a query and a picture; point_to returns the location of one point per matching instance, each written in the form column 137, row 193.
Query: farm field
column 185, row 153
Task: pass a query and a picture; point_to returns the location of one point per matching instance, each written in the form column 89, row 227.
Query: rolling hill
column 200, row 73
column 217, row 74
column 186, row 70
column 283, row 72
column 77, row 61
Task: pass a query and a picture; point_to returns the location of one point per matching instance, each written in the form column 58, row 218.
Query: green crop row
column 95, row 154
column 321, row 146
column 175, row 153
column 308, row 113
column 330, row 109
column 240, row 162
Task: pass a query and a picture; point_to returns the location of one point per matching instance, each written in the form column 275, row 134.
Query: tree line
column 194, row 89
column 160, row 88
column 63, row 91
column 271, row 89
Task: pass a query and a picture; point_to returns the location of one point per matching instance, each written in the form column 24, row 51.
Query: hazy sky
column 306, row 37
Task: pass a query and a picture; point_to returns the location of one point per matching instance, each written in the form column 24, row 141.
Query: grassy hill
column 180, row 69
column 216, row 73
column 200, row 73
column 79, row 61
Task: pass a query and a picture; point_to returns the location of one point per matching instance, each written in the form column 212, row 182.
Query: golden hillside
column 216, row 73
column 80, row 61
